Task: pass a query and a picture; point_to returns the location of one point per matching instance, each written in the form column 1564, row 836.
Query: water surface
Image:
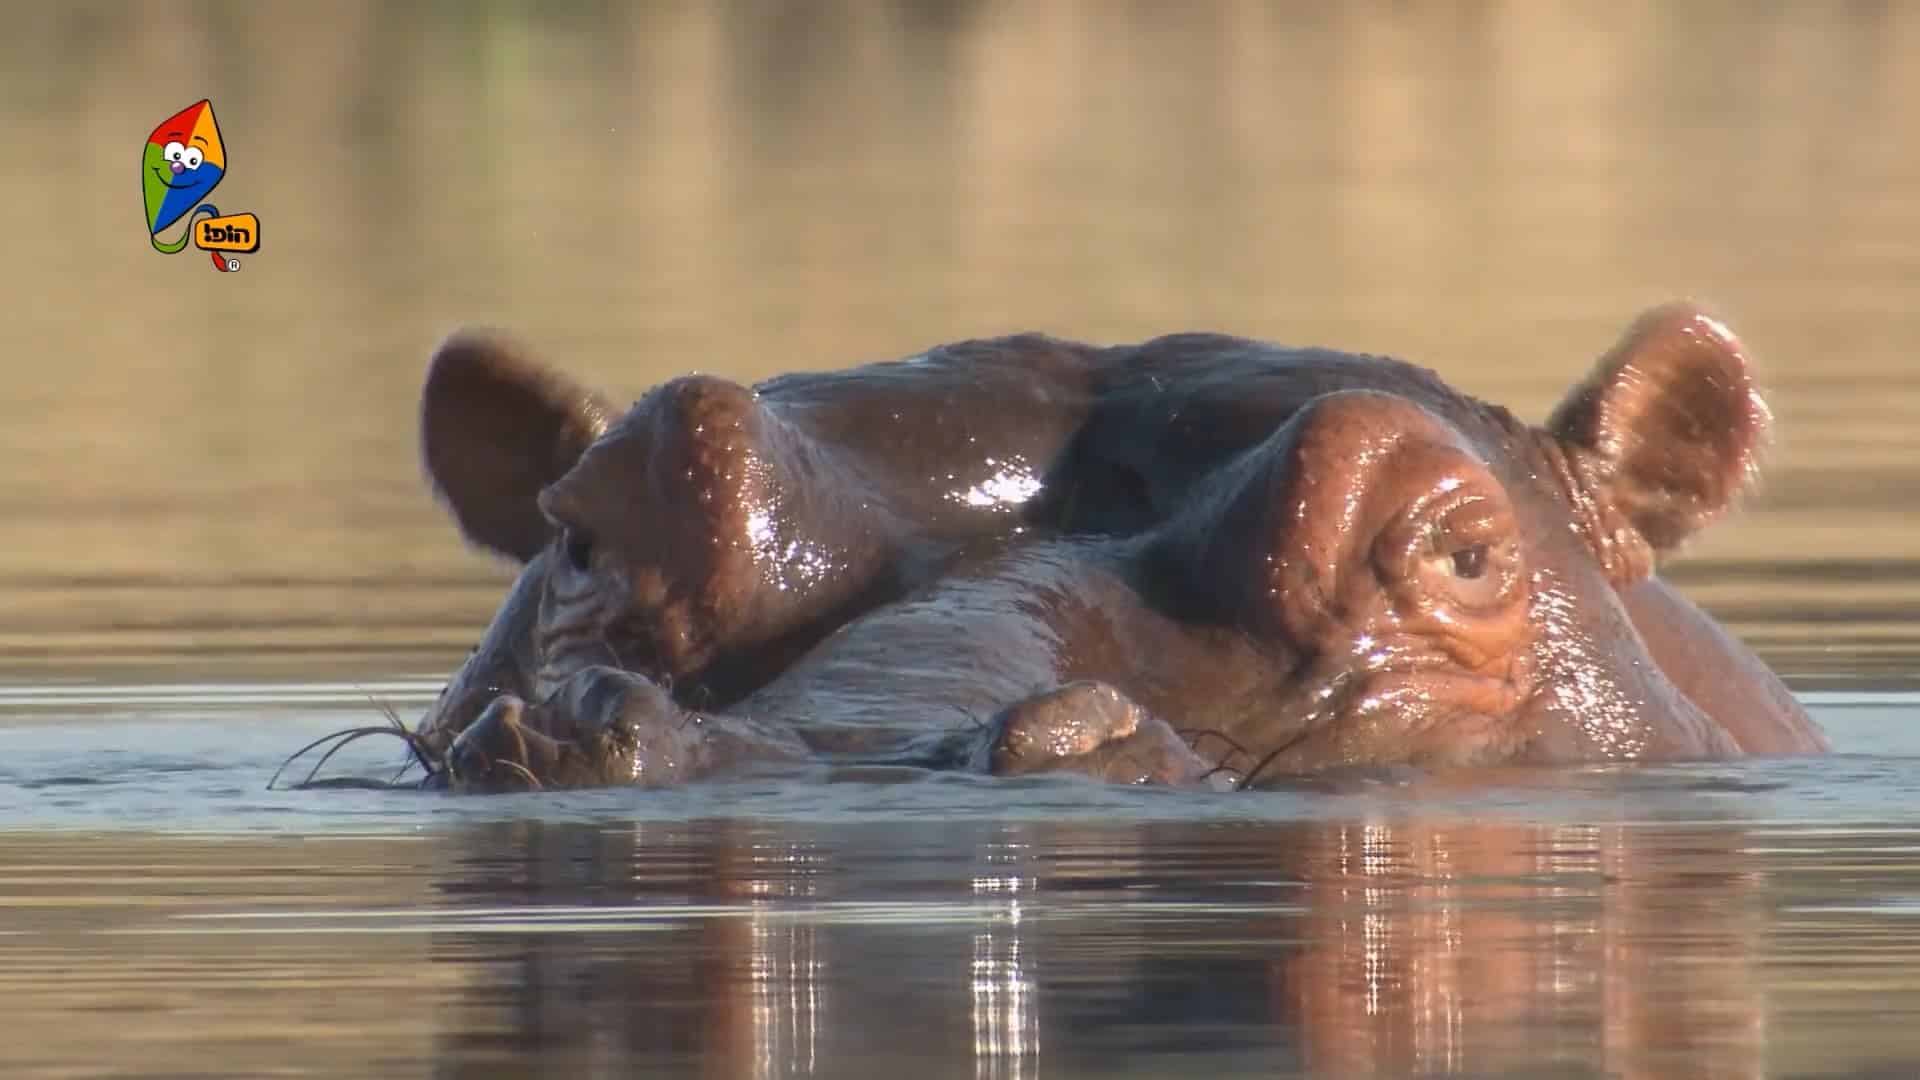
column 164, row 913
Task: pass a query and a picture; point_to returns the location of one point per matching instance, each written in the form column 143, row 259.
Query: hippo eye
column 1470, row 563
column 1474, row 574
column 1460, row 556
column 578, row 547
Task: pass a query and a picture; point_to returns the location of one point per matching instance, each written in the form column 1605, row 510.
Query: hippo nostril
column 492, row 739
column 578, row 547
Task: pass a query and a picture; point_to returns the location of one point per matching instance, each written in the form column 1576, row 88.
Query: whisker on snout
column 422, row 753
column 533, row 782
column 1260, row 766
column 386, row 709
column 1224, row 766
column 1193, row 737
column 414, row 754
column 1226, row 770
column 349, row 783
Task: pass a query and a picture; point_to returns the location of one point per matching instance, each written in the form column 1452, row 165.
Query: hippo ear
column 495, row 428
column 1669, row 426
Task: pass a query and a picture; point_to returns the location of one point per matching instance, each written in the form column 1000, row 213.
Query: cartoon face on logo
column 184, row 160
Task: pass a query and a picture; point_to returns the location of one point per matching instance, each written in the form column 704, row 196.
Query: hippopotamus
column 1199, row 560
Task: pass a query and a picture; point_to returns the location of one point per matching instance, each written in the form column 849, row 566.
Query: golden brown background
column 220, row 468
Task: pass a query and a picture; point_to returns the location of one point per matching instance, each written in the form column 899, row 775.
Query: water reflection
column 1005, row 1010
column 1451, row 949
column 1393, row 947
column 748, row 188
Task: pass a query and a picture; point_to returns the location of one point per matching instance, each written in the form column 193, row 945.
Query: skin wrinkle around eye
column 1396, row 627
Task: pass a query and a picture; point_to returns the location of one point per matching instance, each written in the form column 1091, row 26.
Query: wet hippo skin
column 1198, row 560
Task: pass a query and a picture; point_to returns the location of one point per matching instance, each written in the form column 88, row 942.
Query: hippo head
column 1440, row 583
column 1331, row 560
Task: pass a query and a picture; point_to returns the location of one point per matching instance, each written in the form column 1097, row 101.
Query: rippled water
column 215, row 544
column 165, row 914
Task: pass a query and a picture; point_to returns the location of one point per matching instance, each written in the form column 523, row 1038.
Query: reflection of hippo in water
column 1200, row 557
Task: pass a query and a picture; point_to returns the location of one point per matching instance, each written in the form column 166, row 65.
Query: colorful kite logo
column 184, row 161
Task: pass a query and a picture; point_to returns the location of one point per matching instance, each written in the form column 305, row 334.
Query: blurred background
column 211, row 471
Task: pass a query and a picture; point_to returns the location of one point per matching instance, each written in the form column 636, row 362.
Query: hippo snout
column 499, row 752
column 582, row 734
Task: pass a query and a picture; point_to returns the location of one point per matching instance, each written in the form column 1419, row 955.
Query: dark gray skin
column 1188, row 561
